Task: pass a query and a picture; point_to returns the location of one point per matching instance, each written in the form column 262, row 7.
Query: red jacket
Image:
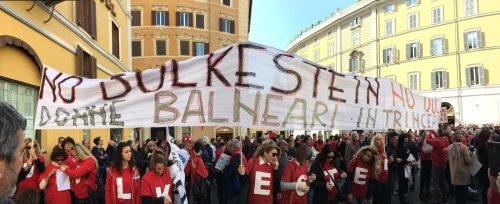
column 31, row 180
column 438, row 155
column 261, row 181
column 293, row 173
column 155, row 186
column 124, row 187
column 82, row 176
column 423, row 156
column 319, row 145
column 333, row 172
column 384, row 164
column 199, row 168
column 52, row 195
column 493, row 196
column 362, row 172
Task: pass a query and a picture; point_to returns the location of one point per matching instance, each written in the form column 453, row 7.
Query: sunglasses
column 29, row 147
column 59, row 160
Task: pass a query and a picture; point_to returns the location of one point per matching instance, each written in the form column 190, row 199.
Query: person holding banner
column 123, row 183
column 156, row 185
column 55, row 192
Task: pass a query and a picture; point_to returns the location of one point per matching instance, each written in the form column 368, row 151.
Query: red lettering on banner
column 73, row 93
column 395, row 94
column 125, row 84
column 140, row 81
column 51, row 85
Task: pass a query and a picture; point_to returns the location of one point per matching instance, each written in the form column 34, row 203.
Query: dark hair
column 60, row 139
column 321, row 157
column 11, row 122
column 401, row 141
column 303, row 154
column 68, row 140
column 116, row 161
column 27, row 196
column 158, row 157
column 96, row 140
column 58, row 152
column 483, row 137
column 198, row 146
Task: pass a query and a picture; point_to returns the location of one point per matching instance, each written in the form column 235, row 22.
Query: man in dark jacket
column 392, row 155
column 233, row 180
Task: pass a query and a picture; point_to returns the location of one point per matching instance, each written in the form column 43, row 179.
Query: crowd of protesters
column 353, row 167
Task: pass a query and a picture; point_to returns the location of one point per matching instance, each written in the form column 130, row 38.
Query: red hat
column 272, row 135
column 187, row 138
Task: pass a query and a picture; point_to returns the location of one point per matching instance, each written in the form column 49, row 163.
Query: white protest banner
column 223, row 161
column 245, row 85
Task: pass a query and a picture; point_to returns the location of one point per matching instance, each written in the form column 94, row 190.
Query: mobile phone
column 493, row 157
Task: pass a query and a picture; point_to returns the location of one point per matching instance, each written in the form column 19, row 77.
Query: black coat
column 320, row 193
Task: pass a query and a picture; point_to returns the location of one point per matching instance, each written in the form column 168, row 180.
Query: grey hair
column 11, row 121
column 235, row 144
column 204, row 140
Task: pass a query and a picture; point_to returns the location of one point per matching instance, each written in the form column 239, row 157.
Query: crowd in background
column 353, row 167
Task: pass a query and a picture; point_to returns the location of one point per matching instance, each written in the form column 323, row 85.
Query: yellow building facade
column 89, row 38
column 436, row 48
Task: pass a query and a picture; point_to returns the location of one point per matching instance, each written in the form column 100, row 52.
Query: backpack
column 200, row 188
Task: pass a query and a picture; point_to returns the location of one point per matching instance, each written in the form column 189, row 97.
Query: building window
column 356, row 62
column 136, row 48
column 226, row 2
column 86, row 65
column 136, row 17
column 412, row 2
column 473, row 39
column 438, row 46
column 316, row 55
column 184, row 19
column 389, row 27
column 86, row 17
column 356, row 22
column 412, row 21
column 160, row 18
column 161, row 47
column 115, row 40
column 329, row 49
column 437, row 15
column 412, row 50
column 470, row 7
column 414, row 81
column 316, row 41
column 184, row 45
column 24, row 99
column 200, row 48
column 329, row 34
column 439, row 79
column 389, row 8
column 355, row 37
column 226, row 25
column 116, row 134
column 388, row 55
column 200, row 21
column 475, row 75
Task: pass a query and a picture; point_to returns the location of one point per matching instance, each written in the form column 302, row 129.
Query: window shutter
column 467, row 76
column 200, row 21
column 350, row 65
column 93, row 20
column 433, row 80
column 384, row 56
column 445, row 45
column 432, row 47
column 445, row 79
column 419, row 53
column 177, row 18
column 408, row 51
column 194, row 49
column 79, row 61
column 221, row 24
column 479, row 39
column 396, row 55
column 78, row 11
column 153, row 18
column 166, row 18
column 207, row 48
column 481, row 75
column 466, row 46
column 190, row 19
column 94, row 67
column 410, row 84
column 231, row 25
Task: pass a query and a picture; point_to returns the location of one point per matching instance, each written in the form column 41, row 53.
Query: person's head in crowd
column 457, row 137
column 234, row 145
column 363, row 136
column 392, row 138
column 320, row 137
column 315, row 137
column 86, row 143
column 12, row 126
column 31, row 147
column 213, row 141
column 158, row 162
column 60, row 141
column 204, row 140
column 470, row 132
column 269, row 151
column 378, row 142
column 82, row 153
column 98, row 141
column 122, row 156
column 308, row 141
column 68, row 144
column 58, row 156
column 368, row 155
column 303, row 154
column 326, row 155
column 188, row 142
column 150, row 146
column 483, row 136
column 221, row 143
column 354, row 136
column 198, row 148
column 27, row 196
column 133, row 145
column 283, row 145
column 403, row 139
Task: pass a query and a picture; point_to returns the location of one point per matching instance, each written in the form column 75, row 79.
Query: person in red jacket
column 381, row 183
column 123, row 184
column 68, row 146
column 363, row 167
column 439, row 157
column 83, row 175
column 320, row 143
column 157, row 185
column 259, row 170
column 195, row 169
column 48, row 179
column 426, row 164
column 295, row 181
column 33, row 166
